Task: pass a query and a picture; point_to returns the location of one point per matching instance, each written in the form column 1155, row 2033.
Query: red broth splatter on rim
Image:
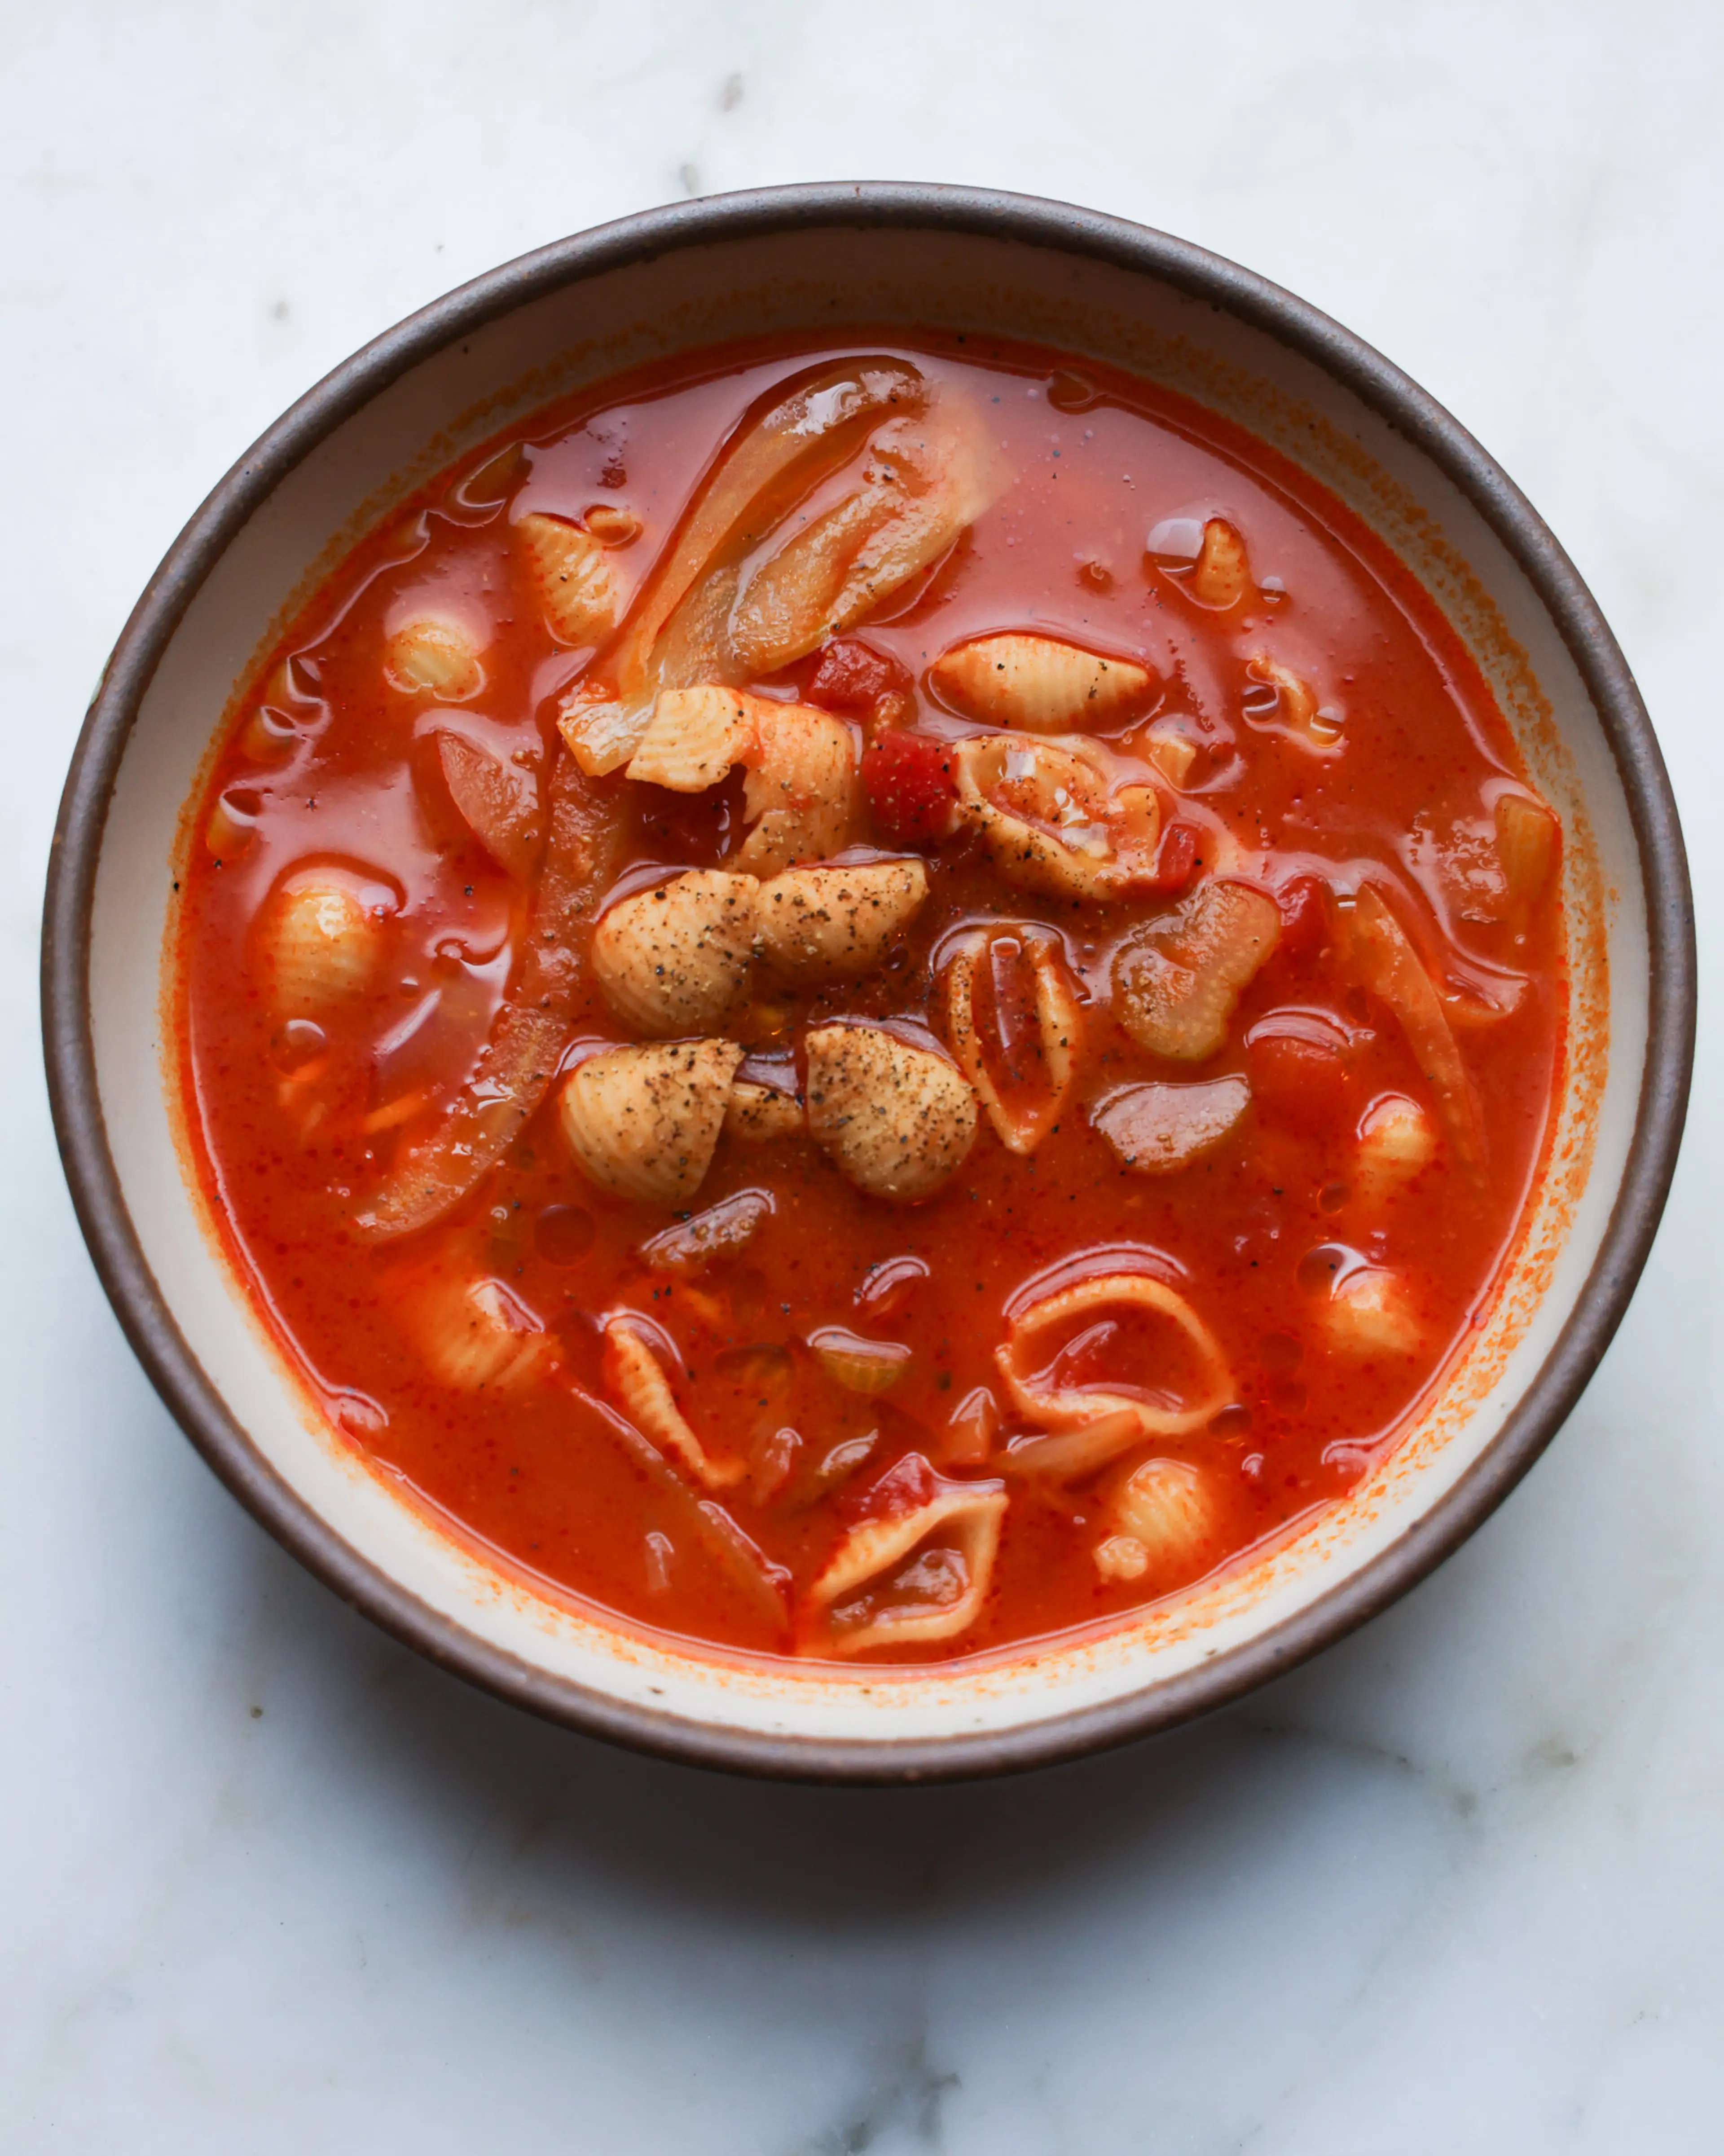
column 871, row 1001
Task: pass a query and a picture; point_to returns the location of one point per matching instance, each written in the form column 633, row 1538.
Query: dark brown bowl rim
column 143, row 1310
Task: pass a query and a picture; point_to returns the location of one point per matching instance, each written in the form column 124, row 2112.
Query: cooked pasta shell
column 435, row 657
column 694, row 736
column 836, row 924
column 613, row 525
column 637, row 1380
column 601, row 733
column 899, row 1121
column 232, row 824
column 803, row 790
column 1022, row 1074
column 1295, row 714
column 1371, row 1312
column 1396, row 1140
column 321, row 946
column 1039, row 685
column 781, row 838
column 676, row 960
column 1221, row 575
column 756, row 1114
column 1178, row 980
column 644, row 1120
column 1165, row 1510
column 802, row 793
column 1025, row 1357
column 576, row 584
column 1157, row 1129
column 1051, row 819
column 962, row 1523
column 270, row 734
column 476, row 1335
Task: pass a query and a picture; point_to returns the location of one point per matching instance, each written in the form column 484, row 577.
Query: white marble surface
column 271, row 1885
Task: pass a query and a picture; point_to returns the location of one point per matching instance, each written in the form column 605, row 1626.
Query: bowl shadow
column 555, row 1808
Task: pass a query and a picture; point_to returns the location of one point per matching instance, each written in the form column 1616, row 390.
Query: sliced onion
column 688, row 1247
column 1380, row 956
column 532, row 1028
column 707, row 1524
column 1074, row 1452
column 966, row 1516
column 811, row 424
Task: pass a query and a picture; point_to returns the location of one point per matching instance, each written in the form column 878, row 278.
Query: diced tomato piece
column 908, row 781
column 851, row 676
column 906, row 1486
column 1178, row 857
column 1298, row 1082
column 1304, row 918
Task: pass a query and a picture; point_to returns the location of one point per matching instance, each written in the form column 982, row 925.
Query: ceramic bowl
column 816, row 257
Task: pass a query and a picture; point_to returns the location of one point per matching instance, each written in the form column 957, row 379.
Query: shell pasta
column 873, row 1017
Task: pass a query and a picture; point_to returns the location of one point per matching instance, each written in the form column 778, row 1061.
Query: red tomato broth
column 331, row 766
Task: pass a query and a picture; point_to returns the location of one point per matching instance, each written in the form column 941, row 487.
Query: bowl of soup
column 868, row 981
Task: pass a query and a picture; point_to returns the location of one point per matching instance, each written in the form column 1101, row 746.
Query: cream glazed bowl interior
column 816, row 258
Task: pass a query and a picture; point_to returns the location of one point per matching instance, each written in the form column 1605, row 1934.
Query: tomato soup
column 870, row 1001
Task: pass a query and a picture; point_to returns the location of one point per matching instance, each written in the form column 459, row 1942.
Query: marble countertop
column 272, row 1884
